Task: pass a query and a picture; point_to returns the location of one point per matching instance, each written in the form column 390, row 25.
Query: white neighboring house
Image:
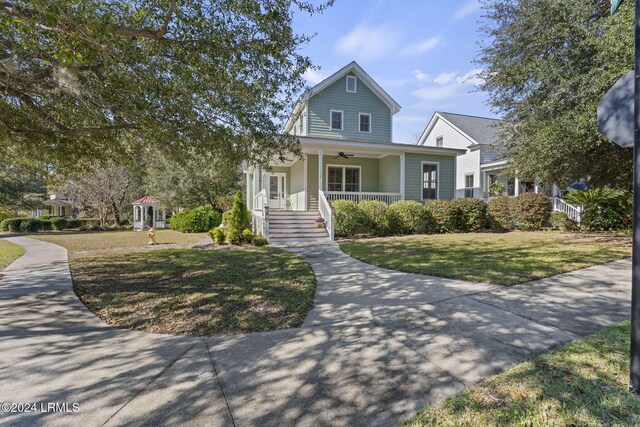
column 482, row 164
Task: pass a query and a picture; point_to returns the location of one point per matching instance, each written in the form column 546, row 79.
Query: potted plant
column 319, row 222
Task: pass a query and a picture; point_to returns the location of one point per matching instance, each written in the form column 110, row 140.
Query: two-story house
column 344, row 125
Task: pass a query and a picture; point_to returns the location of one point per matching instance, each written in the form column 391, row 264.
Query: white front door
column 277, row 190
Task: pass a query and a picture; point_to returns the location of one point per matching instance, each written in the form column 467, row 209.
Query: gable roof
column 355, row 69
column 479, row 130
column 146, row 200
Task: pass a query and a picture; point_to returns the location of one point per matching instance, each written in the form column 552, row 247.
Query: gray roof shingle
column 481, row 129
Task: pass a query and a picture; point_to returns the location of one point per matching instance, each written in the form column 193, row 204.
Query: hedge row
column 32, row 225
column 196, row 220
column 374, row 218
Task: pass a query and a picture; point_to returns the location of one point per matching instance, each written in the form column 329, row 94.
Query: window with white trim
column 365, row 122
column 440, row 141
column 336, row 120
column 343, row 179
column 352, row 84
column 429, row 181
column 468, row 185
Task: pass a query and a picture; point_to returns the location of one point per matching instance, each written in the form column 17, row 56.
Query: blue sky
column 420, row 52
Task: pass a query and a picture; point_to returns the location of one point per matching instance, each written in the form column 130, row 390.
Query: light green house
column 344, row 125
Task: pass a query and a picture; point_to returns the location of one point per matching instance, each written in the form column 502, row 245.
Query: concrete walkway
column 378, row 346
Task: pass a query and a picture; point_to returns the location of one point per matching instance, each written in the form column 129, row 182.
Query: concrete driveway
column 378, row 346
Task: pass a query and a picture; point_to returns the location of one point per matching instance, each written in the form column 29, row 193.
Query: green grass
column 92, row 240
column 196, row 291
column 9, row 252
column 583, row 383
column 499, row 258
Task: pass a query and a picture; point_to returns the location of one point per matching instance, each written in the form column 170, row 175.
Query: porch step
column 295, row 226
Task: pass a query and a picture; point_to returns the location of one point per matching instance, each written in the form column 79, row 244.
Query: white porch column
column 256, row 182
column 516, row 185
column 306, row 190
column 155, row 215
column 536, row 186
column 554, row 190
column 320, row 155
column 402, row 175
column 249, row 196
column 263, row 174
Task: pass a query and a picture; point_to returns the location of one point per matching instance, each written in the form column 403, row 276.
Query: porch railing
column 298, row 201
column 327, row 213
column 261, row 214
column 573, row 212
column 358, row 197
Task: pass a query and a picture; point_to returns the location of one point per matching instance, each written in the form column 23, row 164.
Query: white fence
column 573, row 212
column 327, row 213
column 358, row 197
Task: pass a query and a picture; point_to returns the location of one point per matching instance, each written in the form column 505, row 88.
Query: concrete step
column 298, row 239
column 304, row 221
column 294, row 214
column 300, row 231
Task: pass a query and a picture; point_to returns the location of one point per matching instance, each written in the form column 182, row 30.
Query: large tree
column 199, row 180
column 21, row 186
column 547, row 63
column 88, row 79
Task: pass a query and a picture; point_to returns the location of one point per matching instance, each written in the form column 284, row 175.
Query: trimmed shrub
column 499, row 213
column 11, row 224
column 59, row 223
column 473, row 214
column 446, row 215
column 259, row 241
column 31, row 225
column 73, row 223
column 247, row 235
column 383, row 221
column 350, row 219
column 46, row 224
column 217, row 235
column 412, row 217
column 89, row 224
column 234, row 236
column 560, row 221
column 239, row 218
column 531, row 211
column 196, row 220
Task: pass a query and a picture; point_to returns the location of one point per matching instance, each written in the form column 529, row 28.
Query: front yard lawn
column 93, row 240
column 499, row 258
column 583, row 383
column 196, row 291
column 9, row 252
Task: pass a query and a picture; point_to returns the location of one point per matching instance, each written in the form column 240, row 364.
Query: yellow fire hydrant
column 152, row 236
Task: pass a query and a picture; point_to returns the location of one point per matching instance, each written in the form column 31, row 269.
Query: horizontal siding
column 468, row 164
column 451, row 138
column 312, row 182
column 389, row 180
column 335, row 97
column 297, row 176
column 413, row 175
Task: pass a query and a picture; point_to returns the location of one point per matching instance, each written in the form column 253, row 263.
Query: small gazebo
column 146, row 211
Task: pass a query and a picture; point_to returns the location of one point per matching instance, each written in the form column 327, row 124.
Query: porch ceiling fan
column 344, row 156
column 284, row 159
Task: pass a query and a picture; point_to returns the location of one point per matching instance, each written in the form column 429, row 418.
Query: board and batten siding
column 389, row 179
column 297, row 176
column 413, row 175
column 336, row 97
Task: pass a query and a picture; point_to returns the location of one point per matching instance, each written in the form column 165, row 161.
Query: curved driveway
column 378, row 346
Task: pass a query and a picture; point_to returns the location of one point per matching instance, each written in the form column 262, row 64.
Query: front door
column 277, row 190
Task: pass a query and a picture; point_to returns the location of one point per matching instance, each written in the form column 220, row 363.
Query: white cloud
column 444, row 78
column 422, row 47
column 421, row 76
column 436, row 93
column 368, row 43
column 313, row 76
column 467, row 9
column 472, row 77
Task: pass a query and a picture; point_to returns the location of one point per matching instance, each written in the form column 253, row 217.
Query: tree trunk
column 116, row 213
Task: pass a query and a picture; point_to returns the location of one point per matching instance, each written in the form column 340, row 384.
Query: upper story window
column 440, row 141
column 352, row 84
column 365, row 122
column 336, row 120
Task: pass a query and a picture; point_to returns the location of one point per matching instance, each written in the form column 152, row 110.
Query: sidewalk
column 378, row 346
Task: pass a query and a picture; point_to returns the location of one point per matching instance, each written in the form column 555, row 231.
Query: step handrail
column 573, row 212
column 327, row 213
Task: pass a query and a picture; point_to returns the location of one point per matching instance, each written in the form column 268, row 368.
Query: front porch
column 497, row 173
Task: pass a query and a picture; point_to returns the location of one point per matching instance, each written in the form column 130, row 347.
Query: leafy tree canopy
column 87, row 79
column 199, row 180
column 547, row 64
